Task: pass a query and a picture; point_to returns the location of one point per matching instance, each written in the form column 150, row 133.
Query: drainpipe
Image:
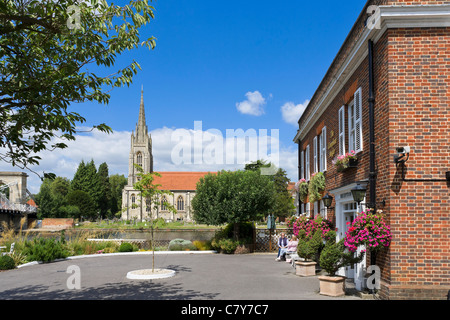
column 372, row 173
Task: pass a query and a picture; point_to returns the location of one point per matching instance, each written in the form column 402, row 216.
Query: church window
column 148, row 205
column 139, row 159
column 180, row 203
column 163, row 204
column 133, row 199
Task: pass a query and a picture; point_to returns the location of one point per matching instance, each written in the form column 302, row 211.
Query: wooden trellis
column 266, row 240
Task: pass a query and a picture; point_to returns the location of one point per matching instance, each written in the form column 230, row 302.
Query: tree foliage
column 232, row 197
column 284, row 203
column 45, row 49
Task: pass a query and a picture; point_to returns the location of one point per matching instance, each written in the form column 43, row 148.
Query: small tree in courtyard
column 150, row 191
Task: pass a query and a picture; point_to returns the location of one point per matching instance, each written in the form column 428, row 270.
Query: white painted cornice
column 387, row 17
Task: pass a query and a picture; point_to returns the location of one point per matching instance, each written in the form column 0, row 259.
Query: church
column 182, row 185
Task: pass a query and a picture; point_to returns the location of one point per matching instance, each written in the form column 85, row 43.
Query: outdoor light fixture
column 327, row 200
column 359, row 193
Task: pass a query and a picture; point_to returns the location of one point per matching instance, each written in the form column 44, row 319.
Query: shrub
column 181, row 245
column 45, row 250
column 307, row 248
column 202, row 245
column 335, row 255
column 228, row 246
column 6, row 263
column 126, row 247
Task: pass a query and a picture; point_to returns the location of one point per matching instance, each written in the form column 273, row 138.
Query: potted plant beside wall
column 348, row 160
column 307, row 249
column 333, row 257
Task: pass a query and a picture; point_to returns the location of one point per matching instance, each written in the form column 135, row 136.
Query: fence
column 266, row 240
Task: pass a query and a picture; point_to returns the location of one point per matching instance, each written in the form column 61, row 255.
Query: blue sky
column 211, row 56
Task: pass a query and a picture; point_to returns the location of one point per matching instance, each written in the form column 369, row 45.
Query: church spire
column 141, row 127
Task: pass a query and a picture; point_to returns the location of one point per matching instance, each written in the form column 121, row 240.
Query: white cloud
column 253, row 105
column 291, row 112
column 114, row 150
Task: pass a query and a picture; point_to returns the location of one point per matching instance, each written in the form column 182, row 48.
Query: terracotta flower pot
column 305, row 269
column 333, row 286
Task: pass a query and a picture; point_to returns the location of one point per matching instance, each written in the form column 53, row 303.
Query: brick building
column 386, row 88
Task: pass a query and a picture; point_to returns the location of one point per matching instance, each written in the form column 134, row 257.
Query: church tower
column 140, row 154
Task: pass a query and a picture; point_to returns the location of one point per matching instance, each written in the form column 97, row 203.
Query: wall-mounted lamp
column 327, row 200
column 359, row 193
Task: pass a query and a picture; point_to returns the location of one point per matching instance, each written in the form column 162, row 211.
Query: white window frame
column 342, row 131
column 315, row 153
column 302, row 165
column 316, row 208
column 323, row 150
column 358, row 120
column 351, row 127
column 307, row 164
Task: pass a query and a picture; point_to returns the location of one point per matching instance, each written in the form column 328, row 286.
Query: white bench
column 294, row 257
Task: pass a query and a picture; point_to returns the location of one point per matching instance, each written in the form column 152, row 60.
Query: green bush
column 228, row 246
column 6, row 263
column 126, row 247
column 45, row 250
column 335, row 255
column 181, row 245
column 308, row 248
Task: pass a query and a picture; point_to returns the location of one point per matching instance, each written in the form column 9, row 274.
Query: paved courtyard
column 198, row 277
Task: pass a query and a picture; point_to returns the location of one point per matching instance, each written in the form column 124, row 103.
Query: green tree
column 105, row 190
column 284, row 203
column 233, row 197
column 44, row 200
column 151, row 191
column 45, row 51
column 79, row 179
column 117, row 183
column 84, row 202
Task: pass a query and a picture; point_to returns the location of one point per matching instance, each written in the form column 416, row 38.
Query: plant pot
column 333, row 286
column 352, row 163
column 305, row 269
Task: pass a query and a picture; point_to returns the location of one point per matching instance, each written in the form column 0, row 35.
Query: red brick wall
column 419, row 116
column 57, row 223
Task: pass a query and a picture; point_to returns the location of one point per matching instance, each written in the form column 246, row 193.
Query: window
column 302, row 165
column 323, row 150
column 133, row 199
column 148, row 205
column 358, row 120
column 139, row 158
column 180, row 203
column 163, row 203
column 342, row 130
column 307, row 166
column 315, row 158
column 316, row 208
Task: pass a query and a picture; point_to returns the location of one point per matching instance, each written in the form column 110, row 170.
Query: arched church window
column 139, row 158
column 148, row 205
column 133, row 198
column 180, row 203
column 163, row 203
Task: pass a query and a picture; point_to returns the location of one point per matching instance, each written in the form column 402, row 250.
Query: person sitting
column 282, row 244
column 290, row 248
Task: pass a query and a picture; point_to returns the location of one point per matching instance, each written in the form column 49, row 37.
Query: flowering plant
column 370, row 230
column 316, row 186
column 302, row 187
column 342, row 162
column 310, row 226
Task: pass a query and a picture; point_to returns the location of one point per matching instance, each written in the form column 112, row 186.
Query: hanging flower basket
column 369, row 230
column 316, row 187
column 348, row 160
column 302, row 187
